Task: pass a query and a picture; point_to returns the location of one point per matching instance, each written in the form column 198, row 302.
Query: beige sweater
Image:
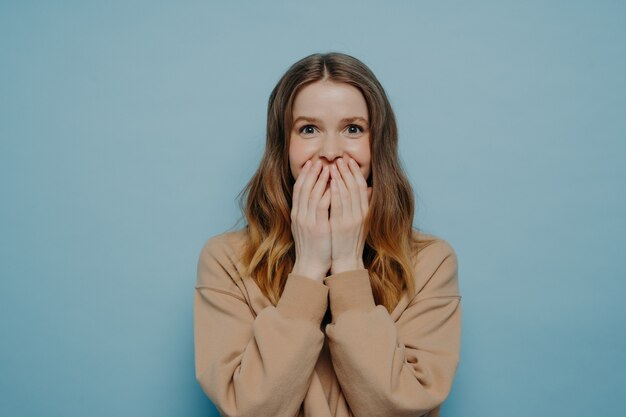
column 259, row 360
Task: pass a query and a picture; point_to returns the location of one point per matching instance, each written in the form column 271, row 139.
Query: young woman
column 328, row 302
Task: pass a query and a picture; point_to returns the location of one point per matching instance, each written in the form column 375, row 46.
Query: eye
column 354, row 129
column 307, row 129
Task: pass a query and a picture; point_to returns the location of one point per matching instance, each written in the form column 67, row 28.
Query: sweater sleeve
column 254, row 366
column 402, row 368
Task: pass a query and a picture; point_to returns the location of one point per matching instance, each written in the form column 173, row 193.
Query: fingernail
column 341, row 161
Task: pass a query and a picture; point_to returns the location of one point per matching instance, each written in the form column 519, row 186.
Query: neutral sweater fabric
column 326, row 349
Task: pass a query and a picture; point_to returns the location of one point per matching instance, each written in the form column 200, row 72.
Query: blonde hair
column 269, row 253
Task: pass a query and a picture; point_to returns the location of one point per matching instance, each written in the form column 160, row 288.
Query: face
column 330, row 122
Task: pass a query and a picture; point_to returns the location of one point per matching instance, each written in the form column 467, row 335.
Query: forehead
column 329, row 99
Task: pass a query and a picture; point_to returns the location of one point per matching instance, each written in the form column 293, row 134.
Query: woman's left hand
column 349, row 204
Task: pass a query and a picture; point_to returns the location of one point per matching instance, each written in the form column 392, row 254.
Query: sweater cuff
column 303, row 298
column 350, row 290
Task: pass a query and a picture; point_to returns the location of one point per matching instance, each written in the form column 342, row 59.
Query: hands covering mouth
column 329, row 208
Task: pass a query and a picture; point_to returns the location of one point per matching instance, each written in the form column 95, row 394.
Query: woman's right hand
column 310, row 226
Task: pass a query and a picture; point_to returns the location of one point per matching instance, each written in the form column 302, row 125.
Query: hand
column 348, row 208
column 310, row 225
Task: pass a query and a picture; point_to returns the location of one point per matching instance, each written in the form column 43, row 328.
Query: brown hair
column 265, row 201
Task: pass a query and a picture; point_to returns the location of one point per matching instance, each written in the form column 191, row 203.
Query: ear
column 369, row 194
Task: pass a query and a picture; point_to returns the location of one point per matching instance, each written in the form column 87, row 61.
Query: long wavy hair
column 269, row 253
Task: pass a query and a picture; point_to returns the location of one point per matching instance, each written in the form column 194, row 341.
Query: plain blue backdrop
column 128, row 129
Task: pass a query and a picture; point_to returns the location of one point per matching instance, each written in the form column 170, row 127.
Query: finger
column 335, row 201
column 344, row 195
column 361, row 199
column 307, row 184
column 297, row 186
column 322, row 208
column 351, row 186
column 318, row 190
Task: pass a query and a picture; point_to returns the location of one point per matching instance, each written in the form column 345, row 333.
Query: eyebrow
column 344, row 120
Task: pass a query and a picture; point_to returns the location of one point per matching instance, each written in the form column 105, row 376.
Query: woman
column 328, row 302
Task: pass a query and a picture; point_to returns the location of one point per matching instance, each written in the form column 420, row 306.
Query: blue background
column 128, row 129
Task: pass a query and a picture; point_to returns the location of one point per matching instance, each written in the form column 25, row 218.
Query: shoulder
column 219, row 261
column 436, row 266
column 229, row 242
column 430, row 248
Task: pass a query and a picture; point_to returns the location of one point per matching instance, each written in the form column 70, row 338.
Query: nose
column 330, row 149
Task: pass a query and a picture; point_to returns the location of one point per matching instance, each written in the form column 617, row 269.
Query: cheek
column 366, row 171
column 293, row 156
column 294, row 168
column 299, row 153
column 363, row 157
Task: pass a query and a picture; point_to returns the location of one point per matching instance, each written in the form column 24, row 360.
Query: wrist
column 343, row 266
column 308, row 272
